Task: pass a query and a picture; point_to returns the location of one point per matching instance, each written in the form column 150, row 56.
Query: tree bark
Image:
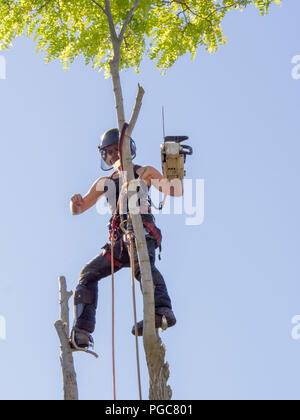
column 155, row 352
column 66, row 357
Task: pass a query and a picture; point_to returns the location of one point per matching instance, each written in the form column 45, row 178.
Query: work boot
column 160, row 313
column 81, row 339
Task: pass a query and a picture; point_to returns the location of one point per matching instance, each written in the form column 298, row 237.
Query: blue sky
column 233, row 280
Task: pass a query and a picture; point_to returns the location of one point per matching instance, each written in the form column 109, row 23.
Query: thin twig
column 43, row 6
column 101, row 7
column 128, row 18
column 187, row 7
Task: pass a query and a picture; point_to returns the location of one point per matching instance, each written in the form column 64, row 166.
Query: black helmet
column 108, row 138
column 112, row 137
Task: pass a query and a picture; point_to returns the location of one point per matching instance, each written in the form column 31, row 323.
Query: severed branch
column 66, row 357
column 136, row 110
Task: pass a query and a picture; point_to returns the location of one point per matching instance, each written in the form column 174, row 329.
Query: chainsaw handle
column 188, row 151
column 176, row 139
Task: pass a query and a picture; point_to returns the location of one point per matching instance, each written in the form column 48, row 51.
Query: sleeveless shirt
column 112, row 188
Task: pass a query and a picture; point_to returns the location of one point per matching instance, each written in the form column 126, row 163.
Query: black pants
column 86, row 295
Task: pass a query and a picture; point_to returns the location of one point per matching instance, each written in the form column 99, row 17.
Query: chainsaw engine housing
column 173, row 156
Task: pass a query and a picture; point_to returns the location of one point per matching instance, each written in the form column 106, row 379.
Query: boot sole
column 158, row 324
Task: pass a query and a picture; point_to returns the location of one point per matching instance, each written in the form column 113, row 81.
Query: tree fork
column 155, row 352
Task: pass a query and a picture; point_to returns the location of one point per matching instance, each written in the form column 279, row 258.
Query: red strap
column 116, row 262
column 114, row 227
column 120, row 143
column 150, row 228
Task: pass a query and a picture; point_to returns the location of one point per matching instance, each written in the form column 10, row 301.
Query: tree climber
column 86, row 294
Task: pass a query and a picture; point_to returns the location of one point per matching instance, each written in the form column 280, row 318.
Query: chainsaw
column 173, row 156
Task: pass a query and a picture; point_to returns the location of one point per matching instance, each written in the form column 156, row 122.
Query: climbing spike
column 164, row 323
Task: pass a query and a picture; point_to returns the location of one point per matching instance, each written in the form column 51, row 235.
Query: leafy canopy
column 162, row 29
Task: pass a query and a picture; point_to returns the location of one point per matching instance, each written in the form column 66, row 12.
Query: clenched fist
column 77, row 200
column 76, row 203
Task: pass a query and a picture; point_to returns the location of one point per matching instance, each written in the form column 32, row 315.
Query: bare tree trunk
column 159, row 373
column 66, row 357
column 155, row 352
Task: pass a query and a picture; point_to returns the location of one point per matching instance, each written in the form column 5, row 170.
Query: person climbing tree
column 86, row 294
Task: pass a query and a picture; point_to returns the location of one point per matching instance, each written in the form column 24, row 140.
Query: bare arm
column 79, row 204
column 153, row 177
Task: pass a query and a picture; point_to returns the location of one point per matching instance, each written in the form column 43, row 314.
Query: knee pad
column 87, row 277
column 84, row 296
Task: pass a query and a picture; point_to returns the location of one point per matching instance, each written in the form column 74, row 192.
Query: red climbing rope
column 113, row 316
column 115, row 226
column 134, row 311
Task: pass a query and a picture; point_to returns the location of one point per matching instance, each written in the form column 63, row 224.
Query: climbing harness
column 173, row 159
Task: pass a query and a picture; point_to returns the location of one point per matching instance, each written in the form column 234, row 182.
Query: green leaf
column 162, row 29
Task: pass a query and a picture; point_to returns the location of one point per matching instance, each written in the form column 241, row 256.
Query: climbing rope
column 129, row 236
column 113, row 316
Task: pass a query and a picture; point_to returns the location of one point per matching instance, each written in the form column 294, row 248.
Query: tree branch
column 136, row 110
column 113, row 33
column 128, row 18
column 42, row 6
column 101, row 7
column 158, row 370
column 187, row 7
